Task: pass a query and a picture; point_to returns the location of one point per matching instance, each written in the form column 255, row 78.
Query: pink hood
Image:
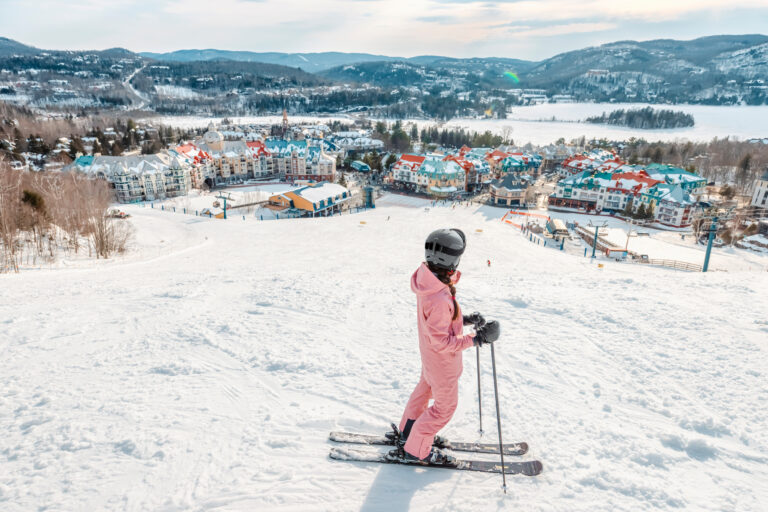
column 439, row 333
column 424, row 282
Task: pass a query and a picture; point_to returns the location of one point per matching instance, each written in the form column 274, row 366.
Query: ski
column 509, row 449
column 528, row 468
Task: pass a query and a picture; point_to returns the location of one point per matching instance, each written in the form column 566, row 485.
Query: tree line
column 645, row 118
column 45, row 215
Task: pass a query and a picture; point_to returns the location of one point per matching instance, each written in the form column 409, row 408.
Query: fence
column 677, row 265
column 233, row 214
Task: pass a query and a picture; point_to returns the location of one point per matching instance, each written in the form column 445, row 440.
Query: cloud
column 560, row 30
column 524, row 29
column 439, row 19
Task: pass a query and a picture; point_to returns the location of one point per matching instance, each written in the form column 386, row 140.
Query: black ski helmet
column 444, row 248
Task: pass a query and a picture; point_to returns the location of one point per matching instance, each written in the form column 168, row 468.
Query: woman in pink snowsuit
column 441, row 342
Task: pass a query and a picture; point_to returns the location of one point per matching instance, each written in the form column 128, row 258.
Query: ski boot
column 399, row 438
column 436, row 457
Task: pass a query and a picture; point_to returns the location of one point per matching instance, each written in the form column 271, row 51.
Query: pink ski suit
column 440, row 343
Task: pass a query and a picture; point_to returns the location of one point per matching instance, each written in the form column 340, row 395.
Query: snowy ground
column 660, row 244
column 205, row 370
column 198, row 201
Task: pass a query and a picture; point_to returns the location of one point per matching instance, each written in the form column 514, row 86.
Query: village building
column 405, row 172
column 444, row 177
column 690, row 182
column 233, row 160
column 672, row 205
column 298, row 160
column 509, row 191
column 613, row 192
column 320, row 199
column 430, row 174
column 139, row 177
column 760, row 195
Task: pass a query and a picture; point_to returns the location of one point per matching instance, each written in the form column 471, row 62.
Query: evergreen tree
column 75, row 147
column 19, row 141
column 649, row 213
column 628, row 208
column 391, row 159
column 640, row 212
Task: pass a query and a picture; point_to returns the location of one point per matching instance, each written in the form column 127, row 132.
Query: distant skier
column 489, row 263
column 440, row 343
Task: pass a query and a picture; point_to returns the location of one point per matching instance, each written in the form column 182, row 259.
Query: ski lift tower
column 224, row 201
column 630, row 233
column 597, row 229
column 714, row 216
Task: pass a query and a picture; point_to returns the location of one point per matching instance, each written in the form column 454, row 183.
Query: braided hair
column 444, row 277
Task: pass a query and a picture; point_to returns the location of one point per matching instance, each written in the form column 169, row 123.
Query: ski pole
column 498, row 419
column 479, row 395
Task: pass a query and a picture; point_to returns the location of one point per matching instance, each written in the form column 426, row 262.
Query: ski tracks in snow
column 206, row 373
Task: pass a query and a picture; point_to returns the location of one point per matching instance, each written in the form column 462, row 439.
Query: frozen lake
column 535, row 123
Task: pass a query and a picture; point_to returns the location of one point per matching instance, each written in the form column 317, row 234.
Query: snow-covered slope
column 208, row 376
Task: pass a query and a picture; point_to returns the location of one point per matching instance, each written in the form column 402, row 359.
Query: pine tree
column 640, row 212
column 649, row 213
column 628, row 208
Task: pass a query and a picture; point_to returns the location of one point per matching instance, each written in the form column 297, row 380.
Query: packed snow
column 205, row 369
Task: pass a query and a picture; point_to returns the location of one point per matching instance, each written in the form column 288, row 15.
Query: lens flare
column 512, row 76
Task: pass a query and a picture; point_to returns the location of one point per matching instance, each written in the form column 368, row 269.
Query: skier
column 440, row 342
column 489, row 263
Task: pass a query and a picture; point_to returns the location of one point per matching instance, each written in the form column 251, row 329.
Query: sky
column 531, row 30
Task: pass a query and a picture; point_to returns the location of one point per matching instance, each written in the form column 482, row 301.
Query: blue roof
column 360, row 166
column 84, row 160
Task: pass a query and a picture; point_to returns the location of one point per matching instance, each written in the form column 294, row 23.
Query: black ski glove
column 474, row 319
column 487, row 333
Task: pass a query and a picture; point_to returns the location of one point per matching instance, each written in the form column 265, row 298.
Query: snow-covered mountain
column 312, row 62
column 205, row 369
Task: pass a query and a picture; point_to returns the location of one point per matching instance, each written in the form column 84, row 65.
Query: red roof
column 257, row 147
column 496, row 155
column 413, row 158
column 639, row 176
column 464, row 163
column 409, row 162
